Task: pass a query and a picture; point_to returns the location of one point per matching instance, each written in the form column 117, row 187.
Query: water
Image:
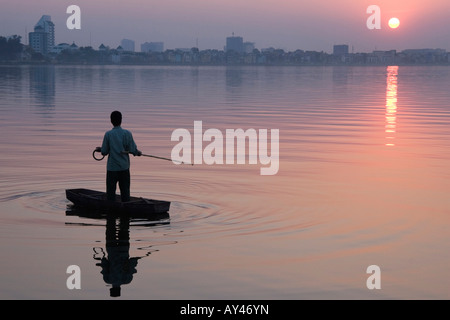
column 363, row 180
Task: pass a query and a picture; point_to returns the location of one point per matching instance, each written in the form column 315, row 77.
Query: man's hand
column 139, row 153
column 98, row 149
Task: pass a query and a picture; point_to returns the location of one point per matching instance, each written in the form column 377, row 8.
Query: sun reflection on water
column 391, row 105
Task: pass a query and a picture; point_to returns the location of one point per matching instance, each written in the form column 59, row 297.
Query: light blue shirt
column 116, row 143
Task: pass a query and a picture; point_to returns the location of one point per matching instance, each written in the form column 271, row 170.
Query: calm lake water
column 364, row 176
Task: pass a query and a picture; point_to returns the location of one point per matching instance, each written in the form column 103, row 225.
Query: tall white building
column 42, row 40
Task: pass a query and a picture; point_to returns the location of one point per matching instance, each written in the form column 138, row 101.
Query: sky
column 287, row 24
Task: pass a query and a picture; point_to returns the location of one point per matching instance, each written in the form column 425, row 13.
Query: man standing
column 118, row 143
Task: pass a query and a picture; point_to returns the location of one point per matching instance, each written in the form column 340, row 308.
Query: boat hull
column 96, row 200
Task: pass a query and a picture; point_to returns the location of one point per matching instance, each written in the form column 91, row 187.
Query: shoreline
column 44, row 63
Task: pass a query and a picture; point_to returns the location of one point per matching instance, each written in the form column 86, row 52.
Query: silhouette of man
column 117, row 144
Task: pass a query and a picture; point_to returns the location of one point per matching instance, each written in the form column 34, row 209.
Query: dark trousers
column 121, row 177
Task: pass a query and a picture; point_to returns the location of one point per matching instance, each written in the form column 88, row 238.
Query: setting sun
column 394, row 23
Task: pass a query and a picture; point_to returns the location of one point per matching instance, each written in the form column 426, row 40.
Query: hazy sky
column 287, row 24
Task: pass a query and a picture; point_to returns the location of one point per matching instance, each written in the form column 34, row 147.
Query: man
column 117, row 144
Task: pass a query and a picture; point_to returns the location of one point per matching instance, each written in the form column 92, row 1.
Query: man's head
column 116, row 118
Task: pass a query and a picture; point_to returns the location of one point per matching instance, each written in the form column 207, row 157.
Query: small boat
column 91, row 199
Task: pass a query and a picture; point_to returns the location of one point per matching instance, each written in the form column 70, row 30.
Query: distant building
column 38, row 41
column 235, row 44
column 73, row 47
column 60, row 48
column 127, row 45
column 382, row 57
column 426, row 55
column 249, row 47
column 425, row 51
column 341, row 49
column 152, row 47
column 49, row 28
column 42, row 40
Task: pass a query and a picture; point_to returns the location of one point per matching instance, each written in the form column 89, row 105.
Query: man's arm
column 105, row 145
column 133, row 148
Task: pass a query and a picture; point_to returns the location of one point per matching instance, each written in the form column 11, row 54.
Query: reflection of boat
column 135, row 208
column 153, row 220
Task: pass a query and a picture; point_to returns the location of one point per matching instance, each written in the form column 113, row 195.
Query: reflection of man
column 117, row 144
column 118, row 268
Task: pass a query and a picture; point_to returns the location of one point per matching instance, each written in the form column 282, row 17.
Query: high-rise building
column 38, row 40
column 42, row 40
column 235, row 44
column 341, row 49
column 127, row 45
column 152, row 47
column 49, row 28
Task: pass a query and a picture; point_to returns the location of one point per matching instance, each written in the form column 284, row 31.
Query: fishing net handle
column 98, row 159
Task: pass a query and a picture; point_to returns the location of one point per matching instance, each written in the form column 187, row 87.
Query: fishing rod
column 144, row 155
column 162, row 158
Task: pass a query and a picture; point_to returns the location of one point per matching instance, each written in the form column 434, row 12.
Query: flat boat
column 92, row 199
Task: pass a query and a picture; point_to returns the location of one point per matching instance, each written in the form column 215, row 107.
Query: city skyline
column 290, row 26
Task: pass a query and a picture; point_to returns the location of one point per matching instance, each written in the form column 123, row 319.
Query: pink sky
column 288, row 24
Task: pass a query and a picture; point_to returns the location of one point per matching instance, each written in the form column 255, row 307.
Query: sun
column 394, row 23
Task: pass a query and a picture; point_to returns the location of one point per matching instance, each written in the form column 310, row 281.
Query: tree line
column 10, row 48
